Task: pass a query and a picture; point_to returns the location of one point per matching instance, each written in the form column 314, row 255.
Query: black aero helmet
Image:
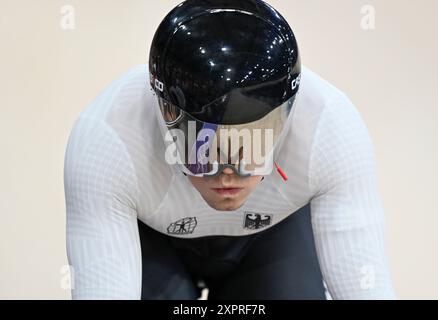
column 223, row 62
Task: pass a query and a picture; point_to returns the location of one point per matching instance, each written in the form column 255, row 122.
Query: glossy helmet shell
column 225, row 61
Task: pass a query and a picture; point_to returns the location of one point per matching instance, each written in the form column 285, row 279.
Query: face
column 226, row 192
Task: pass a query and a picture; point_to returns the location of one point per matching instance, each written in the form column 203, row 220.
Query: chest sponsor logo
column 253, row 221
column 183, row 226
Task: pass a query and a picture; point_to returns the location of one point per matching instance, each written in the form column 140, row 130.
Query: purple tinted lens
column 197, row 167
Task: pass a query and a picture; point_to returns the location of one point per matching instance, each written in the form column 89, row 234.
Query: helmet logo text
column 159, row 85
column 296, row 82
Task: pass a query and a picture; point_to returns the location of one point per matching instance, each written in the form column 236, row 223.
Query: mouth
column 228, row 191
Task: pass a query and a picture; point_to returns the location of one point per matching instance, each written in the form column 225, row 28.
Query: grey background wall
column 50, row 72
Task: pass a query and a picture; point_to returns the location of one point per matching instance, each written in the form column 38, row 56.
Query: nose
column 228, row 171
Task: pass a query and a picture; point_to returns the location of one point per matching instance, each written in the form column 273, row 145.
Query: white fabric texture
column 115, row 173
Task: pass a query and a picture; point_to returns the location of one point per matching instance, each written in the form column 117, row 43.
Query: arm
column 102, row 233
column 347, row 214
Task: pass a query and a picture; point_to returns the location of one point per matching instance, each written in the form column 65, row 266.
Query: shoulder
column 124, row 90
column 325, row 128
column 96, row 158
column 97, row 166
column 99, row 127
column 117, row 142
column 316, row 88
column 315, row 95
column 321, row 106
column 341, row 148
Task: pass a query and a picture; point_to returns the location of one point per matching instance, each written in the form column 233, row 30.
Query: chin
column 226, row 205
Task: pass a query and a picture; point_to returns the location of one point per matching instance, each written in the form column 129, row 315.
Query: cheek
column 254, row 182
column 197, row 182
column 201, row 186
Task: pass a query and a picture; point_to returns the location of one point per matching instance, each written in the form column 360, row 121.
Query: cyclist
column 227, row 164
